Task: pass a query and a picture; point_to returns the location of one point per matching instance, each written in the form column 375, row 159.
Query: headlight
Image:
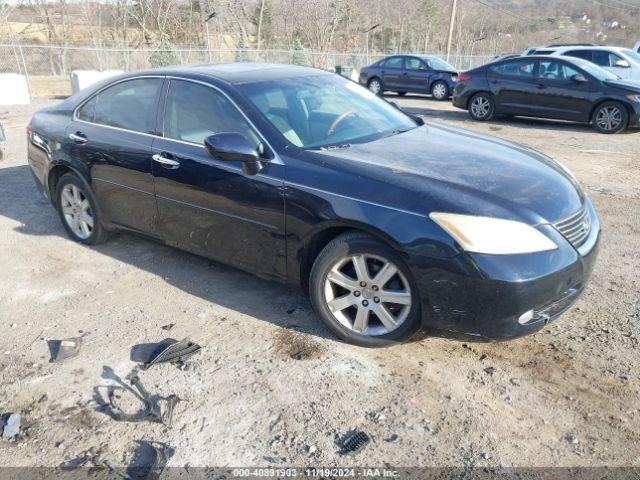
column 494, row 236
column 634, row 98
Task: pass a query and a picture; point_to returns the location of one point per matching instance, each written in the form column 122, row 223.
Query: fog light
column 525, row 317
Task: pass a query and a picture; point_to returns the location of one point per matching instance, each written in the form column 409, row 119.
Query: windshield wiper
column 395, row 132
column 334, row 147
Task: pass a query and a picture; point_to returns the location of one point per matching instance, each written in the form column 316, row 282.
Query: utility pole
column 451, row 25
column 206, row 28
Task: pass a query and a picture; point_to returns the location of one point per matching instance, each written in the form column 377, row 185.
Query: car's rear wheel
column 482, row 107
column 440, row 90
column 610, row 117
column 375, row 86
column 364, row 292
column 78, row 210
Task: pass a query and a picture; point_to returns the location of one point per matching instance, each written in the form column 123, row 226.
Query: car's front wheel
column 610, row 117
column 78, row 210
column 440, row 90
column 482, row 107
column 375, row 86
column 364, row 292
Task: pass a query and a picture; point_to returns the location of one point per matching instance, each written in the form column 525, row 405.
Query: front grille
column 576, row 227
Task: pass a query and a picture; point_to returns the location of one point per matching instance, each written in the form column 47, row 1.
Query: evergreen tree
column 299, row 56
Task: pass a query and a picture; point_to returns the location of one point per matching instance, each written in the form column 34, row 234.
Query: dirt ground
column 272, row 387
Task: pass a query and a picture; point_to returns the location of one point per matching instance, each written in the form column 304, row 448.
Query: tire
column 78, row 211
column 402, row 94
column 482, row 107
column 375, row 86
column 610, row 117
column 335, row 263
column 440, row 90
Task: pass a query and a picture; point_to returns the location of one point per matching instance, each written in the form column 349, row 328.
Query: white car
column 624, row 62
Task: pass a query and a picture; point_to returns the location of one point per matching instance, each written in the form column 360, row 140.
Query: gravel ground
column 566, row 396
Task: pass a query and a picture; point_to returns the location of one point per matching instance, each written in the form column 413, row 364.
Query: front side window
column 320, row 111
column 412, row 63
column 554, row 70
column 194, row 111
column 129, row 105
column 605, row 58
column 520, row 68
column 394, row 62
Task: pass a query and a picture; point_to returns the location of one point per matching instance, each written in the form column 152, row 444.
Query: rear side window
column 194, row 111
column 520, row 68
column 129, row 105
column 395, row 62
column 584, row 54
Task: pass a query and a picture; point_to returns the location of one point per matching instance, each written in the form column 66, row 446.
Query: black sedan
column 563, row 88
column 410, row 73
column 302, row 176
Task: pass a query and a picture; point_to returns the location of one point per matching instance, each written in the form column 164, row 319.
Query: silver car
column 623, row 62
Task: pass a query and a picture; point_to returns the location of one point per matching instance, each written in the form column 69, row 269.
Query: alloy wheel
column 609, row 118
column 374, row 86
column 439, row 91
column 367, row 294
column 480, row 107
column 76, row 210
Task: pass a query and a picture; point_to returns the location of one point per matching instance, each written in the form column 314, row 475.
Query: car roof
column 583, row 47
column 239, row 73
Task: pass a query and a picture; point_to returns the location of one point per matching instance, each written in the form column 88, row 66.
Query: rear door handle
column 166, row 162
column 78, row 138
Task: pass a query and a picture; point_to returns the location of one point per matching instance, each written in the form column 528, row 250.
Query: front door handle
column 78, row 138
column 166, row 162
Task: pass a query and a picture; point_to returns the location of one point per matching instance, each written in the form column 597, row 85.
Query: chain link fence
column 48, row 67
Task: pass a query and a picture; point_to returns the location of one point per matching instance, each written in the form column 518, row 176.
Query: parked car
column 563, row 88
column 3, row 140
column 410, row 73
column 546, row 49
column 303, row 176
column 624, row 62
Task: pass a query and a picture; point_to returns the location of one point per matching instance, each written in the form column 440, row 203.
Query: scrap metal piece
column 64, row 349
column 10, row 425
column 174, row 353
column 354, row 442
column 159, row 410
column 150, row 467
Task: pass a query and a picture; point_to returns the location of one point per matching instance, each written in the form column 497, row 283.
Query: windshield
column 635, row 56
column 325, row 110
column 439, row 64
column 595, row 70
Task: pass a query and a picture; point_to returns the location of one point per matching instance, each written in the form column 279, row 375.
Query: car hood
column 631, row 85
column 442, row 168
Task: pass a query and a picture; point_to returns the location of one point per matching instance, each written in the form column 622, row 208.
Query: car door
column 392, row 71
column 111, row 135
column 558, row 94
column 210, row 206
column 512, row 85
column 417, row 75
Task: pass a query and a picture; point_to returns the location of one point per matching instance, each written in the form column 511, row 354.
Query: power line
column 506, row 12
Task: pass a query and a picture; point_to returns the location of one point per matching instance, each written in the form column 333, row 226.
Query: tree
column 263, row 22
column 299, row 56
column 241, row 51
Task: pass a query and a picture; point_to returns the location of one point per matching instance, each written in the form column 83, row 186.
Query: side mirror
column 579, row 78
column 234, row 147
column 622, row 64
column 419, row 120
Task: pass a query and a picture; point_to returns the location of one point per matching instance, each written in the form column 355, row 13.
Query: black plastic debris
column 394, row 438
column 299, row 356
column 173, row 353
column 155, row 409
column 353, row 442
column 148, row 462
column 490, row 370
column 63, row 349
column 168, row 326
column 10, row 425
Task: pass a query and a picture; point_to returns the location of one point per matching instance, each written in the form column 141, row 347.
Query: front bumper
column 496, row 297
